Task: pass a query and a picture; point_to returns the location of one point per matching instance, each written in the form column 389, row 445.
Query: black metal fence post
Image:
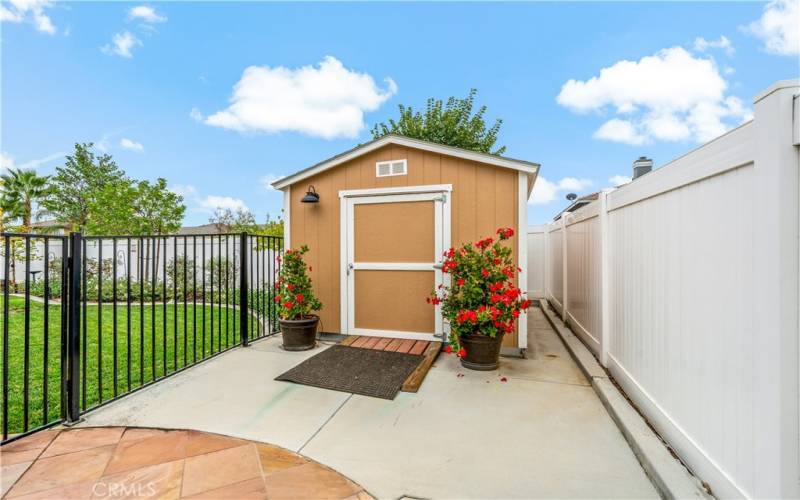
column 243, row 291
column 72, row 383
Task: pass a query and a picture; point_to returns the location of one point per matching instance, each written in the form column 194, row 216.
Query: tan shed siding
column 484, row 198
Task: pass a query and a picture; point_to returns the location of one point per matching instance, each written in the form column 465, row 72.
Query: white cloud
column 146, row 13
column 327, row 100
column 206, row 204
column 131, row 145
column 267, row 181
column 618, row 180
column 545, row 192
column 620, row 131
column 212, row 202
column 722, row 43
column 41, row 161
column 6, row 161
column 10, row 16
column 33, row 11
column 196, row 115
column 121, row 45
column 184, row 190
column 778, row 27
column 669, row 96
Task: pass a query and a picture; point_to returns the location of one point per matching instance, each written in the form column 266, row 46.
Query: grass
column 155, row 342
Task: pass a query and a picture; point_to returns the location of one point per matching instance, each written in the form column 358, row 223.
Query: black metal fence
column 111, row 315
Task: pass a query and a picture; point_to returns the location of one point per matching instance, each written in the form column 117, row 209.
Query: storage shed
column 384, row 213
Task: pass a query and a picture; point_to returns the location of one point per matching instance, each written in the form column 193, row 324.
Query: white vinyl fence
column 684, row 283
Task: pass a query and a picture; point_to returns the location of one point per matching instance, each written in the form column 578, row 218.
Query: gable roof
column 528, row 167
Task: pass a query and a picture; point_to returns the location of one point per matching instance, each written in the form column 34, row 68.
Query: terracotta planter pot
column 483, row 352
column 299, row 334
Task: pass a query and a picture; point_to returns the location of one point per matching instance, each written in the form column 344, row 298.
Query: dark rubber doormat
column 368, row 372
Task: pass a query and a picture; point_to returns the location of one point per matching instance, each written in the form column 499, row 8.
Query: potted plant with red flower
column 481, row 303
column 295, row 301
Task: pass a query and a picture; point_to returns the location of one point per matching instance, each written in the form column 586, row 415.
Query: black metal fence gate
column 111, row 315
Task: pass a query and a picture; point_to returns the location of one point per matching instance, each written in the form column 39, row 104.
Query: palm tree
column 20, row 190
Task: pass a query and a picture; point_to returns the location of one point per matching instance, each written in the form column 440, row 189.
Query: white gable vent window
column 389, row 168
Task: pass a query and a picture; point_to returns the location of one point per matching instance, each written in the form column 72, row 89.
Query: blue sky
column 154, row 84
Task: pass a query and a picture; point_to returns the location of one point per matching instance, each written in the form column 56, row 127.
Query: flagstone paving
column 129, row 462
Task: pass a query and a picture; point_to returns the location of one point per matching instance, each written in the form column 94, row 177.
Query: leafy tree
column 21, row 190
column 157, row 209
column 78, row 184
column 227, row 220
column 111, row 209
column 271, row 227
column 135, row 207
column 453, row 124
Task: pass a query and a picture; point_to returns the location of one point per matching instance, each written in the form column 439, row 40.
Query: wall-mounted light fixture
column 311, row 196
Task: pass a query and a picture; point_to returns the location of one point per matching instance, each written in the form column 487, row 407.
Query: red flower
column 525, row 304
column 460, row 281
column 464, row 316
column 288, row 304
column 435, row 301
column 290, row 286
column 448, row 348
column 515, row 313
column 505, row 233
column 277, row 298
column 495, row 298
column 484, row 273
column 461, row 353
column 484, row 243
column 300, row 297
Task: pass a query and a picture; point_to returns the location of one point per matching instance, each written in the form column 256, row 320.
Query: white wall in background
column 536, row 261
column 701, row 277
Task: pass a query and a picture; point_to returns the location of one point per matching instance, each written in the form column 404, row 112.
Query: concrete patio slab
column 535, row 428
column 234, row 394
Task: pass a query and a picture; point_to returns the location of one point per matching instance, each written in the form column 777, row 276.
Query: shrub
column 481, row 298
column 295, row 298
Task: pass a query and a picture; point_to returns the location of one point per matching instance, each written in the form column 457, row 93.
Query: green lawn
column 154, row 351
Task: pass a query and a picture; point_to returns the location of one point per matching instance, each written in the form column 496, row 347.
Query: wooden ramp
column 425, row 348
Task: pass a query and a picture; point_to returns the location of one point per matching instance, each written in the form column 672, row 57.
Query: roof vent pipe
column 642, row 166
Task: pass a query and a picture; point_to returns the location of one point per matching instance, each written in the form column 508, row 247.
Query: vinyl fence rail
column 684, row 283
column 111, row 315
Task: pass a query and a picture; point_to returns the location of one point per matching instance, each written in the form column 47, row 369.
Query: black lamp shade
column 311, row 196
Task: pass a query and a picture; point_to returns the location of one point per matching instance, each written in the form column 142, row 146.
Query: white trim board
column 287, row 218
column 430, row 188
column 489, row 159
column 522, row 256
column 439, row 194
